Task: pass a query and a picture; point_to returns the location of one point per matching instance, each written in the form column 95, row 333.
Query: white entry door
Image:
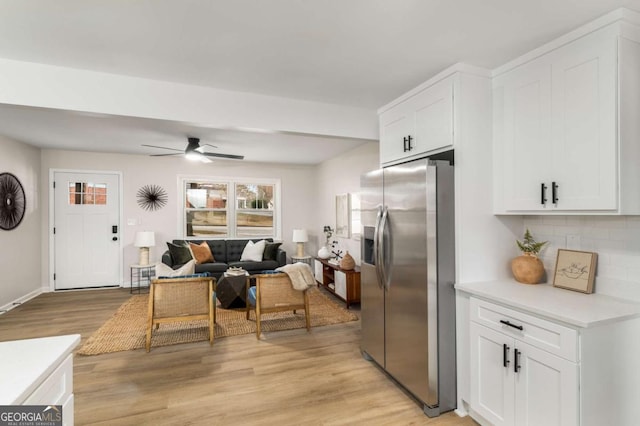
column 86, row 230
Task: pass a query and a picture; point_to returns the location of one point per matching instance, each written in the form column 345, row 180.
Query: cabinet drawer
column 543, row 334
column 56, row 388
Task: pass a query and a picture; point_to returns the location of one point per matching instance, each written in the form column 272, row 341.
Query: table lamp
column 144, row 240
column 300, row 236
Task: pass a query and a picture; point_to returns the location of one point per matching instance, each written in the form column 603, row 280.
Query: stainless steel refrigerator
column 408, row 273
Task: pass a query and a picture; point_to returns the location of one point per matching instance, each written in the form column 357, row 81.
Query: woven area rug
column 126, row 329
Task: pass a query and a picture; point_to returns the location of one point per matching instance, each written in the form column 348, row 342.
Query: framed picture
column 343, row 217
column 575, row 270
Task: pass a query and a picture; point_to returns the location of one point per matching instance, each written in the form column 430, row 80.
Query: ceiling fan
column 194, row 151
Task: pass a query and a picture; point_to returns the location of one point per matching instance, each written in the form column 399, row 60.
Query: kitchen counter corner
column 573, row 308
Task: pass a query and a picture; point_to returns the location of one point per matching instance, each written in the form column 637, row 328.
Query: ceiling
column 361, row 53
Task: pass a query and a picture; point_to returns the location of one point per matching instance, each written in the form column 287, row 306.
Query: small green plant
column 529, row 246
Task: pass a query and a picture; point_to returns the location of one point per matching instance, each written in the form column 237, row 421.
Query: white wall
column 297, row 185
column 481, row 237
column 339, row 175
column 615, row 239
column 20, row 255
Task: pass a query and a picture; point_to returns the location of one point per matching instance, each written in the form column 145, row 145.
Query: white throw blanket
column 300, row 275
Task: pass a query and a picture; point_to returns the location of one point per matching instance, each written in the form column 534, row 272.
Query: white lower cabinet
column 39, row 372
column 492, row 382
column 518, row 383
column 513, row 383
column 541, row 355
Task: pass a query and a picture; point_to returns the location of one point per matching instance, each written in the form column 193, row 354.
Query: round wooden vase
column 527, row 269
column 347, row 263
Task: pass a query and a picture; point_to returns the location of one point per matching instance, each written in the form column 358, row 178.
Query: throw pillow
column 253, row 251
column 166, row 271
column 179, row 253
column 201, row 253
column 271, row 251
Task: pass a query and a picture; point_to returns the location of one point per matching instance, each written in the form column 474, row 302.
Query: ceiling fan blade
column 208, row 144
column 163, row 155
column 231, row 156
column 163, row 147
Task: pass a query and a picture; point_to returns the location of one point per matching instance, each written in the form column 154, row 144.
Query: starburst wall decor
column 13, row 202
column 152, row 197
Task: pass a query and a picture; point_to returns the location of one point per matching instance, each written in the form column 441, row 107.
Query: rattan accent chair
column 274, row 293
column 181, row 299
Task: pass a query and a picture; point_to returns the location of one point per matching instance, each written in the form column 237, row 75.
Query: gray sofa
column 227, row 253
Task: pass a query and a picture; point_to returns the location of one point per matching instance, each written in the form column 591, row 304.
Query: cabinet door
column 526, row 136
column 492, row 387
column 546, row 388
column 426, row 117
column 341, row 284
column 318, row 271
column 433, row 109
column 395, row 125
column 584, row 133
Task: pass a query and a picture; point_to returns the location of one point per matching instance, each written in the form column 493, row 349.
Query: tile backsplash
column 616, row 240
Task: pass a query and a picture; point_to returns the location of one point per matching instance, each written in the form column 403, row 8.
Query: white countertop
column 574, row 308
column 25, row 364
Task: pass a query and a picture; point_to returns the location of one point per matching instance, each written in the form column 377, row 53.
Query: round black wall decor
column 152, row 197
column 13, row 201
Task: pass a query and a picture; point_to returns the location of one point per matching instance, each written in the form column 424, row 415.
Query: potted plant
column 527, row 268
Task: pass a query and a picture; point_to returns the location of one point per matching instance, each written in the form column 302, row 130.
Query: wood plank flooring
column 288, row 378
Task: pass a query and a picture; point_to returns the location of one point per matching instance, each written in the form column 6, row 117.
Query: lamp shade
column 300, row 236
column 145, row 239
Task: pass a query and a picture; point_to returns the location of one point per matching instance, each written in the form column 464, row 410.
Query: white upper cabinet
column 419, row 124
column 526, row 136
column 557, row 147
column 584, row 138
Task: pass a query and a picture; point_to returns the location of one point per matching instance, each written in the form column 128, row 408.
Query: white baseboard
column 461, row 413
column 19, row 301
column 463, row 408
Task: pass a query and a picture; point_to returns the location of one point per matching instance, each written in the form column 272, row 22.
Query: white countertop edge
column 608, row 306
column 67, row 344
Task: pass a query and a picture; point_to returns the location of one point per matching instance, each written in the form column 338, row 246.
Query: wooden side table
column 345, row 284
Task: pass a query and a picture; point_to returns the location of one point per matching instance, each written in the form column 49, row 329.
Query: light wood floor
column 289, row 378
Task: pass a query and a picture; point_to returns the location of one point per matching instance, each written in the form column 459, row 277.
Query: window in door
column 87, row 193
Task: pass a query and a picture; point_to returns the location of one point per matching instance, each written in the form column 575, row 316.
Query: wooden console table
column 340, row 282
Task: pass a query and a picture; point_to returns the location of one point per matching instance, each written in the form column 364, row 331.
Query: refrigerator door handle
column 382, row 248
column 376, row 247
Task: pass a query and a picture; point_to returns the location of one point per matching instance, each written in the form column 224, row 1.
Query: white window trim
column 231, row 207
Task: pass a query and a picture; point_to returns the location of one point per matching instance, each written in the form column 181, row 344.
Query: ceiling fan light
column 193, row 156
